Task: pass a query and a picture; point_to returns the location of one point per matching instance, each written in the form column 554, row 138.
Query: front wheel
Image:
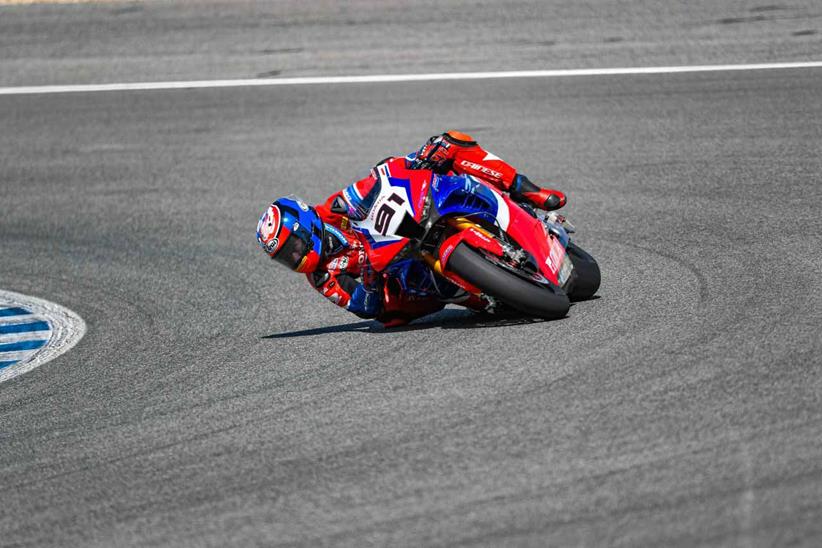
column 515, row 291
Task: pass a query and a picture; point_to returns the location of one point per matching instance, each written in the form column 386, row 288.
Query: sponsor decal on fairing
column 554, row 259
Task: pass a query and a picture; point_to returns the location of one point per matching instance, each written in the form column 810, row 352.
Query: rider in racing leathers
column 319, row 242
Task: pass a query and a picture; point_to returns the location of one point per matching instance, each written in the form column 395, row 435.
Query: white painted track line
column 11, row 320
column 390, row 78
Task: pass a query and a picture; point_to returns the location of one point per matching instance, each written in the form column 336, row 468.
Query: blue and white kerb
column 34, row 331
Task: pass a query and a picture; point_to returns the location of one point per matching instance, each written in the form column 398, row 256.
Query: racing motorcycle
column 422, row 230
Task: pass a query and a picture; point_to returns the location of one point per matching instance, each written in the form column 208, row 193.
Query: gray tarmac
column 218, row 400
column 158, row 40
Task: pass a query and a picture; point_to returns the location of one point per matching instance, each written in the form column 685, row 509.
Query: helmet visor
column 295, row 248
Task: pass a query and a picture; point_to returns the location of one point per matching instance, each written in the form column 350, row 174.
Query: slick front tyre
column 585, row 278
column 516, row 292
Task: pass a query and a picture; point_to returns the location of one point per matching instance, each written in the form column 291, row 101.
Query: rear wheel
column 585, row 278
column 529, row 297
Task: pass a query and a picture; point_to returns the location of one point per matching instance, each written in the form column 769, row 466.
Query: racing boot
column 524, row 191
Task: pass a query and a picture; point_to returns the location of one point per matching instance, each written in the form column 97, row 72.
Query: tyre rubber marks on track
column 34, row 331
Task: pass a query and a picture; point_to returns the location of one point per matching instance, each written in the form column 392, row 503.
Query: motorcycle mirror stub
column 409, row 228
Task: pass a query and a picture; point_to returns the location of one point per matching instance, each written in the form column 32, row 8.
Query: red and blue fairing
column 397, row 192
column 402, row 196
column 466, row 196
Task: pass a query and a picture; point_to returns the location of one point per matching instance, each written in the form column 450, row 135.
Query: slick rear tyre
column 585, row 278
column 516, row 292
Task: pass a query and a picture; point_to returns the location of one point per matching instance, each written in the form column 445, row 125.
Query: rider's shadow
column 445, row 319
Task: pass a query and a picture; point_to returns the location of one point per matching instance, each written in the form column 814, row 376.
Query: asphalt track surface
column 218, row 400
column 156, row 40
